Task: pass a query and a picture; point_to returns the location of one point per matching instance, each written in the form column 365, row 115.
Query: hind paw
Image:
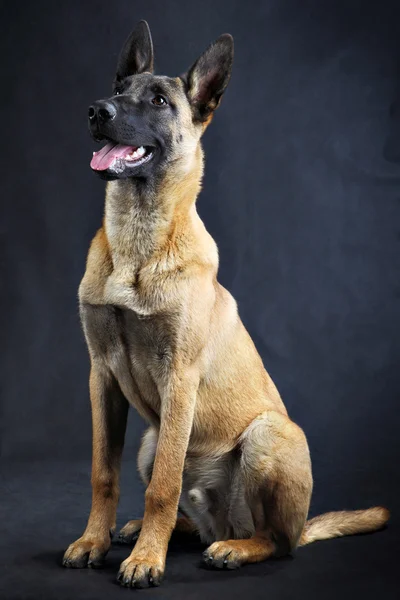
column 224, row 555
column 130, row 532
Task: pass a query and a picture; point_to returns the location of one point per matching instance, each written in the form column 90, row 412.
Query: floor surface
column 44, row 505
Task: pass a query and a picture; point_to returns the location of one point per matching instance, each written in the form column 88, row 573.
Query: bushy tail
column 343, row 522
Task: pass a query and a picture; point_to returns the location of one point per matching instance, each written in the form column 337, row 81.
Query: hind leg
column 130, row 531
column 275, row 471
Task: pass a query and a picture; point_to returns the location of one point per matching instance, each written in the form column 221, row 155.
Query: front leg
column 109, row 416
column 145, row 566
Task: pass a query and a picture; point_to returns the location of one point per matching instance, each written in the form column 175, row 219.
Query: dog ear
column 137, row 53
column 207, row 79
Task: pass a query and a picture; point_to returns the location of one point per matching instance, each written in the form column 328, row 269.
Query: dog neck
column 147, row 218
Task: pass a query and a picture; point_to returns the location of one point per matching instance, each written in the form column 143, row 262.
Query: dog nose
column 102, row 111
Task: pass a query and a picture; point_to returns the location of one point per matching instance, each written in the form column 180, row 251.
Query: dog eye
column 159, row 101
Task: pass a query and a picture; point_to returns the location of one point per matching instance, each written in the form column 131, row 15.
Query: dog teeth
column 138, row 153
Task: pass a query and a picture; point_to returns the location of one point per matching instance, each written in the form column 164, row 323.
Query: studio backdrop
column 301, row 193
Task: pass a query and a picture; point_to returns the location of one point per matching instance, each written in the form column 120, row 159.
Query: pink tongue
column 103, row 158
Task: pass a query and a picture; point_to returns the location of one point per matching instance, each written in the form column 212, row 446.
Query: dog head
column 152, row 121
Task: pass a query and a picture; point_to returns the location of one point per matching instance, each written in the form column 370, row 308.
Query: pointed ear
column 207, row 79
column 137, row 53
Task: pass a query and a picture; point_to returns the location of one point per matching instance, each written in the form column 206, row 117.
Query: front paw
column 141, row 571
column 86, row 553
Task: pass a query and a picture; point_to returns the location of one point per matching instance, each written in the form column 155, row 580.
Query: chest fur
column 136, row 349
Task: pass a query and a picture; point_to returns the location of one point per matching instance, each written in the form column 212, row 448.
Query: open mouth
column 116, row 157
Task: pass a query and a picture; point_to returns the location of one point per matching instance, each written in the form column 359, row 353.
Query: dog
column 165, row 337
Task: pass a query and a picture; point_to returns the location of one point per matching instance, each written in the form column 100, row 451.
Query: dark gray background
column 301, row 193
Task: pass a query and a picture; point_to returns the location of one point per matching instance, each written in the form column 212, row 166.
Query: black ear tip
column 136, row 55
column 226, row 39
column 142, row 29
column 225, row 47
column 225, row 44
column 144, row 24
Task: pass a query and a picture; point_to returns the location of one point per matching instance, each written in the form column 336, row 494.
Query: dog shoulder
column 98, row 268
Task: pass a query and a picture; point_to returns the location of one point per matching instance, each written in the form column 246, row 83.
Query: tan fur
column 165, row 337
column 209, row 391
column 340, row 523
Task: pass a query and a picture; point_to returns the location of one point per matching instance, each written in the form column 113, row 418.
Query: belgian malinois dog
column 165, row 337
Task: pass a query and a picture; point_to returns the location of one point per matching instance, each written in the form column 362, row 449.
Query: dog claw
column 92, row 564
column 127, row 539
column 208, row 559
